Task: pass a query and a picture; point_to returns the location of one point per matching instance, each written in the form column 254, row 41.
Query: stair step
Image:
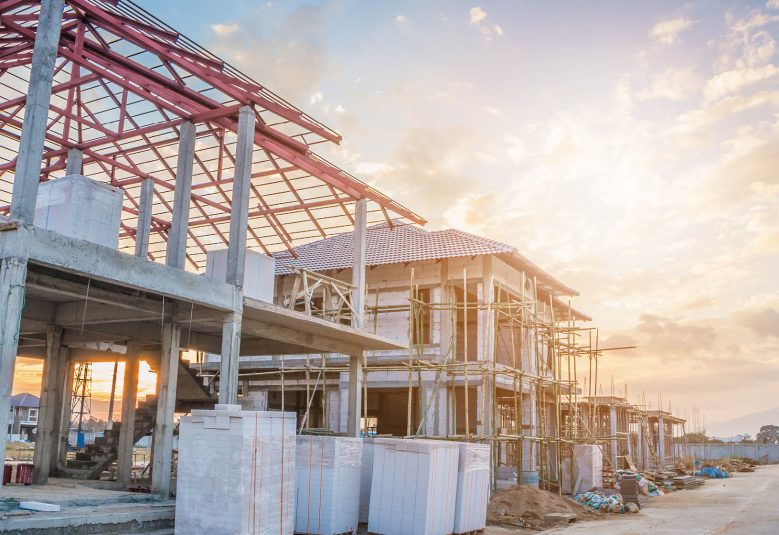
column 80, row 465
column 93, row 457
column 75, row 473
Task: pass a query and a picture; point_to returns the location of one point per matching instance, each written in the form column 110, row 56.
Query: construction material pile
column 599, row 501
column 712, row 472
column 526, row 506
column 734, row 464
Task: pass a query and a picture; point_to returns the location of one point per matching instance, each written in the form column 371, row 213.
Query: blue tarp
column 713, row 472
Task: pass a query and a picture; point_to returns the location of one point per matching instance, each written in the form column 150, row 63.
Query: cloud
column 286, row 52
column 402, row 23
column 761, row 321
column 731, row 82
column 476, row 15
column 667, row 32
column 772, row 4
column 224, row 30
column 672, row 84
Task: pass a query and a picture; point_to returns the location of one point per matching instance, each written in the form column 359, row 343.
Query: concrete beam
column 143, row 230
column 127, row 431
column 13, row 273
column 36, row 112
column 54, row 367
column 236, row 250
column 109, row 265
column 177, row 236
column 228, row 371
column 167, row 377
column 74, row 164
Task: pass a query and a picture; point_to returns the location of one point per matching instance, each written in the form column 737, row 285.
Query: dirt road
column 745, row 504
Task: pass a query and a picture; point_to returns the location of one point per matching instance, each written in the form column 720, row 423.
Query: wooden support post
column 167, row 377
column 177, row 236
column 36, row 113
column 228, row 370
column 13, row 274
column 127, row 432
column 50, row 410
column 143, row 229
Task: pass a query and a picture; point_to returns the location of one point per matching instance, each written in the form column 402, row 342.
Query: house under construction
column 132, row 163
column 494, row 348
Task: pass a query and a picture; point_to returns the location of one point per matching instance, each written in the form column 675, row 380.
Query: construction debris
column 528, row 507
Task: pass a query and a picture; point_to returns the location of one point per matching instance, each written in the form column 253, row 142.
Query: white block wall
column 236, row 472
column 259, row 273
column 414, row 487
column 587, row 467
column 328, row 484
column 78, row 207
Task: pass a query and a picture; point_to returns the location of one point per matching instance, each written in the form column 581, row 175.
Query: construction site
column 322, row 361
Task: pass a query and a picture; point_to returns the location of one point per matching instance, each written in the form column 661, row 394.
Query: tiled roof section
column 408, row 243
column 25, row 400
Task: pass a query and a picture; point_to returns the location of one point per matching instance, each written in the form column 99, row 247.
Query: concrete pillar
column 661, row 441
column 167, row 376
column 358, row 317
column 124, row 462
column 333, row 416
column 64, row 430
column 177, row 236
column 244, row 149
column 13, row 274
column 228, row 370
column 485, row 391
column 144, row 218
column 355, row 396
column 640, row 447
column 50, row 411
column 36, row 112
column 613, row 432
column 74, row 164
column 446, row 345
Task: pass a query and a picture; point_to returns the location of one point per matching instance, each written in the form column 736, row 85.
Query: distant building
column 23, row 417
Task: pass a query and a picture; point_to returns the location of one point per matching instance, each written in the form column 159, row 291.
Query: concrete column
column 486, row 337
column 50, row 410
column 333, row 416
column 244, row 149
column 36, row 112
column 13, row 274
column 167, row 376
column 228, row 370
column 127, row 431
column 358, row 317
column 74, row 164
column 355, row 396
column 64, row 430
column 177, row 236
column 613, row 432
column 661, row 441
column 640, row 448
column 144, row 218
column 446, row 345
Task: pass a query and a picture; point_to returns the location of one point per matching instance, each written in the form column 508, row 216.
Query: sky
column 630, row 148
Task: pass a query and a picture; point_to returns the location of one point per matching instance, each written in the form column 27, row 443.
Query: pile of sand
column 526, row 506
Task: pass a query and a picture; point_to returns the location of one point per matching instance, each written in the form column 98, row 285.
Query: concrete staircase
column 96, row 458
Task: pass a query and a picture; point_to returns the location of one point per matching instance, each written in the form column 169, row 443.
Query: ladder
column 644, row 424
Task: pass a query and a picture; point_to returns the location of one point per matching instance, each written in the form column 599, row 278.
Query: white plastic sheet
column 587, row 467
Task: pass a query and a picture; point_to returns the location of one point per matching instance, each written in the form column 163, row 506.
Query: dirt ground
column 526, row 507
column 748, row 503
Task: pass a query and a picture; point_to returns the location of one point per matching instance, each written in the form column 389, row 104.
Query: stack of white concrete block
column 366, row 477
column 328, row 484
column 587, row 467
column 473, row 488
column 78, row 207
column 236, row 472
column 414, row 487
